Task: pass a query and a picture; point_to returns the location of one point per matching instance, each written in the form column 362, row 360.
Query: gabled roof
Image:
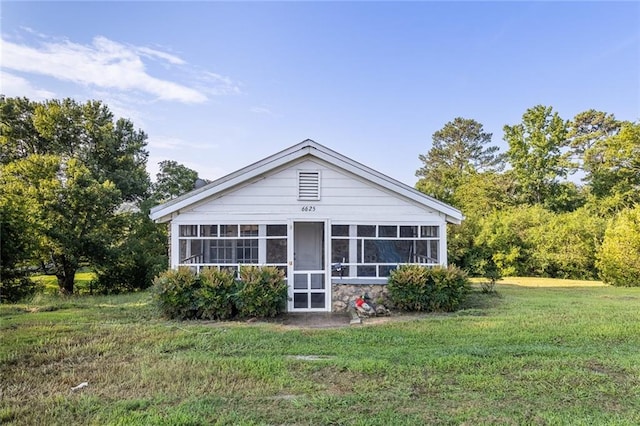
column 163, row 212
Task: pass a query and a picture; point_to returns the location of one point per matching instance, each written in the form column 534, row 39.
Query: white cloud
column 14, row 86
column 172, row 59
column 106, row 64
column 124, row 105
column 216, row 84
column 261, row 110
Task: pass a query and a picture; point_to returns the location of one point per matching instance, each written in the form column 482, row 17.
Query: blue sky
column 220, row 85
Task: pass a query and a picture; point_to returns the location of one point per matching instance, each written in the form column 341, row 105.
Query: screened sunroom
column 322, row 218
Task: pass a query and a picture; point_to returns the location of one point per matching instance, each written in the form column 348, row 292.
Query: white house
column 333, row 225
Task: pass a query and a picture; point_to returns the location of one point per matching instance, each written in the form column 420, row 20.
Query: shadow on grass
column 125, row 307
column 478, row 303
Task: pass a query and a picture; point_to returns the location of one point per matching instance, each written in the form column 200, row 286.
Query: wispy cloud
column 216, row 84
column 172, row 59
column 107, row 64
column 125, row 105
column 261, row 110
column 12, row 85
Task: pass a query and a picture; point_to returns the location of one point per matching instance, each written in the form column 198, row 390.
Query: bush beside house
column 262, row 291
column 217, row 294
column 419, row 288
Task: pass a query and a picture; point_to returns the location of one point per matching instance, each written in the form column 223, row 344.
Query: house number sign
column 308, row 208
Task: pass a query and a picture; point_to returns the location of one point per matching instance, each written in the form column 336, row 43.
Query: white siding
column 344, row 198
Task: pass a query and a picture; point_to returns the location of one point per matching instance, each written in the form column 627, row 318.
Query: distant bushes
column 16, row 288
column 137, row 256
column 418, row 288
column 619, row 255
column 529, row 241
column 217, row 294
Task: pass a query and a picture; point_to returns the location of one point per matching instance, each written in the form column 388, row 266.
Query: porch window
column 227, row 246
column 376, row 250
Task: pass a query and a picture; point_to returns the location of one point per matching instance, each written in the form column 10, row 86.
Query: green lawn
column 539, row 352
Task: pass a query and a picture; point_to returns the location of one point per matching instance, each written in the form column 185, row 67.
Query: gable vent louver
column 308, row 186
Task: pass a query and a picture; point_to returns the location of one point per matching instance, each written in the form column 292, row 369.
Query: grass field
column 538, row 352
column 50, row 282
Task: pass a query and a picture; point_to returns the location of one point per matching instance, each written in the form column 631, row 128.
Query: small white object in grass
column 80, row 386
column 311, row 357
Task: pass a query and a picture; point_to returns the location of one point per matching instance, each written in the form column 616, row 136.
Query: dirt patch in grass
column 618, row 375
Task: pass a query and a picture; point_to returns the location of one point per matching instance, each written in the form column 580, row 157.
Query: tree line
column 561, row 202
column 74, row 192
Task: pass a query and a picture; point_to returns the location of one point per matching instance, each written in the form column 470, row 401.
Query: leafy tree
column 173, row 180
column 506, row 236
column 112, row 151
column 619, row 255
column 71, row 210
column 613, row 168
column 17, row 241
column 136, row 255
column 17, row 234
column 18, row 136
column 462, row 250
column 118, row 154
column 565, row 246
column 566, row 196
column 535, row 154
column 87, row 191
column 587, row 129
column 479, row 195
column 459, row 149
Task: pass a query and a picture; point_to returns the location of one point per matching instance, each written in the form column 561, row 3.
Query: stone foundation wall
column 342, row 294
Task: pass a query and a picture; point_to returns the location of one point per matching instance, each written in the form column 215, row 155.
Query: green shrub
column 262, row 292
column 132, row 263
column 125, row 275
column 214, row 297
column 214, row 294
column 488, row 269
column 174, row 292
column 619, row 254
column 419, row 288
column 407, row 288
column 506, row 237
column 16, row 288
